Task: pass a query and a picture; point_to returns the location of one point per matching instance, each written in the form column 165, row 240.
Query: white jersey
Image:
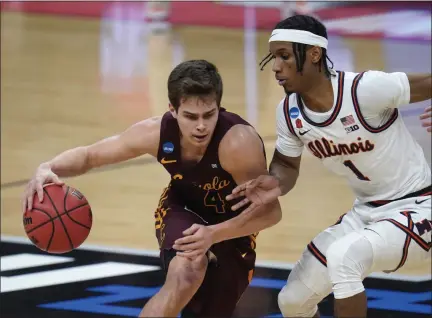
column 363, row 136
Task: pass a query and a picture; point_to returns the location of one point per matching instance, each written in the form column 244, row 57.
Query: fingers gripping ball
column 61, row 222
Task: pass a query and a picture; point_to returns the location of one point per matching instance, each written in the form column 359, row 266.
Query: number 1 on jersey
column 350, row 165
column 213, row 198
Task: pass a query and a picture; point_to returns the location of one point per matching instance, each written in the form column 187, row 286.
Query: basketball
column 61, row 222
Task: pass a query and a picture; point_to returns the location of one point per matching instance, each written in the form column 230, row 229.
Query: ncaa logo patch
column 294, row 112
column 168, row 147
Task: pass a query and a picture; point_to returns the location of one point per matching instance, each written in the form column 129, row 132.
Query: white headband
column 298, row 36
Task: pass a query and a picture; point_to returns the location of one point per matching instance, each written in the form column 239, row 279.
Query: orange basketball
column 61, row 222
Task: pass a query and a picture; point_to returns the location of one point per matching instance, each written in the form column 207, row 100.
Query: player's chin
column 289, row 89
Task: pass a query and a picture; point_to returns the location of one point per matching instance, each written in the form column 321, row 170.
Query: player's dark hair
column 304, row 23
column 194, row 78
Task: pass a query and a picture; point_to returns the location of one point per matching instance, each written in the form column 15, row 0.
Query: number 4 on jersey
column 213, row 199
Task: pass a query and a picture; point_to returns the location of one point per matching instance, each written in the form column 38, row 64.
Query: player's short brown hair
column 194, row 78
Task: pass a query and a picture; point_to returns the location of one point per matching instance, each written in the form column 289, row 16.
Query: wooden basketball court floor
column 60, row 89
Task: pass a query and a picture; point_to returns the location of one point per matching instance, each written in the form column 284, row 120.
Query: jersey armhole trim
column 287, row 117
column 369, row 128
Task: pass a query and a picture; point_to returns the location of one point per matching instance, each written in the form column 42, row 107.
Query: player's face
column 285, row 67
column 197, row 118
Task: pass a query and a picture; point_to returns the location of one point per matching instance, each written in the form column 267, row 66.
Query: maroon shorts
column 226, row 278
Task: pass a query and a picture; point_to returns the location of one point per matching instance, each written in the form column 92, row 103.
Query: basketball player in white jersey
column 351, row 123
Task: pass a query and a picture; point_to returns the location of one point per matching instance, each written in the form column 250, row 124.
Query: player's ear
column 315, row 54
column 172, row 110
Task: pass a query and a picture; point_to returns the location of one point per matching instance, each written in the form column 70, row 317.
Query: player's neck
column 319, row 96
column 191, row 152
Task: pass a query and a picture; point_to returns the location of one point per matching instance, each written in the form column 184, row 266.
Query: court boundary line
column 259, row 263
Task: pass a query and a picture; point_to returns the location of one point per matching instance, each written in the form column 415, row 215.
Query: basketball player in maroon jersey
column 207, row 151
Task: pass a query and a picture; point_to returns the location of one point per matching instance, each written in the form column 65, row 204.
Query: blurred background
column 75, row 72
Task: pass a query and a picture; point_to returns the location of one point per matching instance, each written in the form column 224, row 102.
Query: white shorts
column 399, row 232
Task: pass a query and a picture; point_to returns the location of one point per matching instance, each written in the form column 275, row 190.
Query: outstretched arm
column 139, row 139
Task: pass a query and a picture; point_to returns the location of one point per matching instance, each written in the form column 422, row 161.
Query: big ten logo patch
column 352, row 128
column 349, row 124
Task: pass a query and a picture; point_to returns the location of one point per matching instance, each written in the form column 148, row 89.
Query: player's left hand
column 427, row 115
column 196, row 241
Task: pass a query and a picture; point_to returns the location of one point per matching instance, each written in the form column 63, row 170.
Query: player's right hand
column 257, row 192
column 42, row 176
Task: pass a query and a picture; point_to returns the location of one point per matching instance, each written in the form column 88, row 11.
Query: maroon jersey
column 196, row 194
column 201, row 187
